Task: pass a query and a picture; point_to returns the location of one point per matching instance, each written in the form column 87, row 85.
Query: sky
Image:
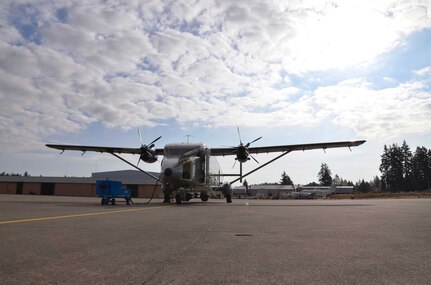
column 93, row 72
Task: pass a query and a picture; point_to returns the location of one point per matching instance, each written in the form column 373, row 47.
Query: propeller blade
column 140, row 138
column 254, row 159
column 151, row 143
column 138, row 161
column 234, row 164
column 239, row 135
column 253, row 141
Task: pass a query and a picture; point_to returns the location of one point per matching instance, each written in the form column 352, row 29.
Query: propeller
column 148, row 154
column 242, row 153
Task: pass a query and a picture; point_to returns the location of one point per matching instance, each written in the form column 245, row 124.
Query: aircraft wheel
column 113, row 201
column 204, row 198
column 229, row 198
column 102, row 202
column 189, row 196
column 167, row 198
column 178, row 198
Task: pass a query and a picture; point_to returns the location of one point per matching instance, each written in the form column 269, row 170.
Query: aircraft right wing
column 289, row 148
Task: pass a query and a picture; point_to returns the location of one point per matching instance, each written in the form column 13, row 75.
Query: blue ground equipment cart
column 109, row 190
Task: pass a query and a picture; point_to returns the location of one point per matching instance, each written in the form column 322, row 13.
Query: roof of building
column 267, row 187
column 125, row 176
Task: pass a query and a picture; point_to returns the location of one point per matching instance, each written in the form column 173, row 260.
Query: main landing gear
column 204, row 197
column 181, row 196
column 167, row 198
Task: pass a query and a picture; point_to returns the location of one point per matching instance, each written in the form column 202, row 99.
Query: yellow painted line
column 77, row 215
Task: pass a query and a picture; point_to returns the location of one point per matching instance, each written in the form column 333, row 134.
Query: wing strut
column 131, row 164
column 257, row 168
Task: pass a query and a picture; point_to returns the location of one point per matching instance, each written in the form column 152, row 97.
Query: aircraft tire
column 204, row 198
column 167, row 198
column 113, row 201
column 228, row 198
column 178, row 198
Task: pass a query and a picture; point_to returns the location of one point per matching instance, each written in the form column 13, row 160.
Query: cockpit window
column 177, row 150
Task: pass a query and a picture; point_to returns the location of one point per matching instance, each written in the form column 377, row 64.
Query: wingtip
column 359, row 142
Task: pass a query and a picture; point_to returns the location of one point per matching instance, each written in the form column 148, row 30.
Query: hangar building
column 142, row 185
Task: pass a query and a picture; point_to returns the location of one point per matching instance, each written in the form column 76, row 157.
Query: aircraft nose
column 168, row 171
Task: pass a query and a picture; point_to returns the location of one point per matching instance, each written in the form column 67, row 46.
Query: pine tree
column 421, row 167
column 376, row 182
column 362, row 186
column 407, row 167
column 324, row 175
column 391, row 168
column 384, row 168
column 285, row 179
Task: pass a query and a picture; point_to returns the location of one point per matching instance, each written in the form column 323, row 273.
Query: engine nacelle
column 148, row 155
column 242, row 154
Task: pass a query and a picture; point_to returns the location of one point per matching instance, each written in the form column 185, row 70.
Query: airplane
column 191, row 170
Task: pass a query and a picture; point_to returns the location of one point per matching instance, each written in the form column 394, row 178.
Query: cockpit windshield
column 179, row 149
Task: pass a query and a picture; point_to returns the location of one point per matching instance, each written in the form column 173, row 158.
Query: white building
column 264, row 191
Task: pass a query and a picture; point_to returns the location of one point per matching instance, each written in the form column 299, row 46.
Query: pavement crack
column 181, row 253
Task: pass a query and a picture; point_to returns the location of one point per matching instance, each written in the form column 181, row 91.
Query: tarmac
column 70, row 240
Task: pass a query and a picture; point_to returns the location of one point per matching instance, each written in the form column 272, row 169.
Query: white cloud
column 382, row 114
column 423, row 71
column 218, row 63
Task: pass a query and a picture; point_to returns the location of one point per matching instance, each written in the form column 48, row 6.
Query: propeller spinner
column 148, row 154
column 242, row 153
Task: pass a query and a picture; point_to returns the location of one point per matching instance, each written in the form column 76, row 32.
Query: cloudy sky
column 290, row 71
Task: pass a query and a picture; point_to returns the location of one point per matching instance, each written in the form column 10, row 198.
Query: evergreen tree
column 421, row 168
column 402, row 170
column 407, row 167
column 337, row 180
column 362, row 186
column 391, row 168
column 324, row 175
column 384, row 168
column 285, row 179
column 376, row 182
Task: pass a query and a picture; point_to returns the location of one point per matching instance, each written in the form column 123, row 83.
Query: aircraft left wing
column 85, row 148
column 287, row 148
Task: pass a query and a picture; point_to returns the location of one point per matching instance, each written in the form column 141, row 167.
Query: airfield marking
column 76, row 215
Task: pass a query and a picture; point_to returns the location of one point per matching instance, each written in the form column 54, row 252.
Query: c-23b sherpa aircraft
column 191, row 170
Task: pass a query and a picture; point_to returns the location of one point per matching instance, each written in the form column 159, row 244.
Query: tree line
column 14, row 174
column 401, row 170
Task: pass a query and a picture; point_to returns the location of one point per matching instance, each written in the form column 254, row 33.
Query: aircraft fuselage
column 189, row 167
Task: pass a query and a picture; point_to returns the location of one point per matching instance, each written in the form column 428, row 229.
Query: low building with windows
column 322, row 191
column 264, row 191
column 141, row 185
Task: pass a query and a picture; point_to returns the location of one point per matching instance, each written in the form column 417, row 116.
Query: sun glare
column 343, row 37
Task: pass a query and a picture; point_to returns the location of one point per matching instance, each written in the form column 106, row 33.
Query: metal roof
column 267, row 187
column 125, row 176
